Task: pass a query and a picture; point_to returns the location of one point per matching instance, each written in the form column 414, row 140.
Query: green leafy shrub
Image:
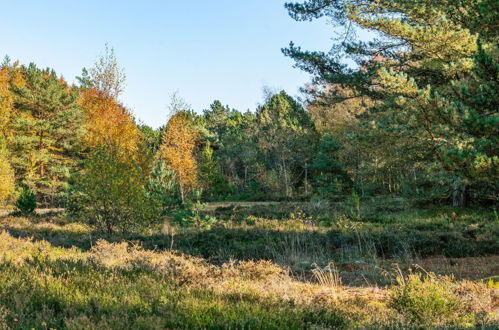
column 110, row 193
column 188, row 216
column 428, row 300
column 26, row 202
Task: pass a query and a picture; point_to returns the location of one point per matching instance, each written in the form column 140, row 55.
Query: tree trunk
column 181, row 187
column 109, row 227
column 415, row 180
column 360, row 179
column 286, row 184
column 363, row 193
column 458, row 194
column 306, row 179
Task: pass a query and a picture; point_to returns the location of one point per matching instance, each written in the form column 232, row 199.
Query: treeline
column 72, row 145
column 415, row 116
column 78, row 147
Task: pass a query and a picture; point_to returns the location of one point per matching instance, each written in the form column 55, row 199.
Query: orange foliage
column 9, row 75
column 177, row 150
column 6, row 174
column 5, row 98
column 108, row 123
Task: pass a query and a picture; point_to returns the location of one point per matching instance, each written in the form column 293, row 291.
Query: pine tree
column 330, row 178
column 413, row 73
column 287, row 137
column 46, row 130
column 162, row 186
column 218, row 120
column 151, row 138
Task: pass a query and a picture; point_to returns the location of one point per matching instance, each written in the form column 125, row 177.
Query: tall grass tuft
column 328, row 277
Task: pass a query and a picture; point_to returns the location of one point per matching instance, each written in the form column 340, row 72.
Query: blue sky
column 207, row 50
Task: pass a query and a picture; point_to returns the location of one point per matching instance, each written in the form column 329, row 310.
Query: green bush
column 26, row 202
column 428, row 300
column 188, row 216
column 110, row 193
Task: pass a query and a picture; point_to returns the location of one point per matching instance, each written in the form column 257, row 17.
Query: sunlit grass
column 249, row 271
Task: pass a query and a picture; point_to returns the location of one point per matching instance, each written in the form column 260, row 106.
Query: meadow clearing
column 259, row 265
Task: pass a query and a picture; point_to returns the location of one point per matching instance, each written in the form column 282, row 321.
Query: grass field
column 258, row 266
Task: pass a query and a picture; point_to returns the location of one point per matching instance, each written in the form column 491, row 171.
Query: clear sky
column 207, row 50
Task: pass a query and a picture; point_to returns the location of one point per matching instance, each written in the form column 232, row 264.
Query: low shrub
column 188, row 216
column 26, row 202
column 429, row 300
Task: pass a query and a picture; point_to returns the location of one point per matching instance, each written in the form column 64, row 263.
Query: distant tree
column 217, row 120
column 330, row 176
column 237, row 152
column 106, row 75
column 177, row 104
column 177, row 150
column 162, row 186
column 210, row 176
column 151, row 137
column 288, row 138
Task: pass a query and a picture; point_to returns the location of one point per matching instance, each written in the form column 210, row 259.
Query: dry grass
column 329, row 277
column 55, row 273
column 238, row 282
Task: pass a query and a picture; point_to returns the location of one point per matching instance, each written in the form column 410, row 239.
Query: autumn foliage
column 5, row 98
column 177, row 150
column 109, row 191
column 107, row 122
column 9, row 76
column 6, row 101
column 6, row 175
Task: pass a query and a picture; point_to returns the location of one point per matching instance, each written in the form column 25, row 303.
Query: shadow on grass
column 90, row 298
column 219, row 245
